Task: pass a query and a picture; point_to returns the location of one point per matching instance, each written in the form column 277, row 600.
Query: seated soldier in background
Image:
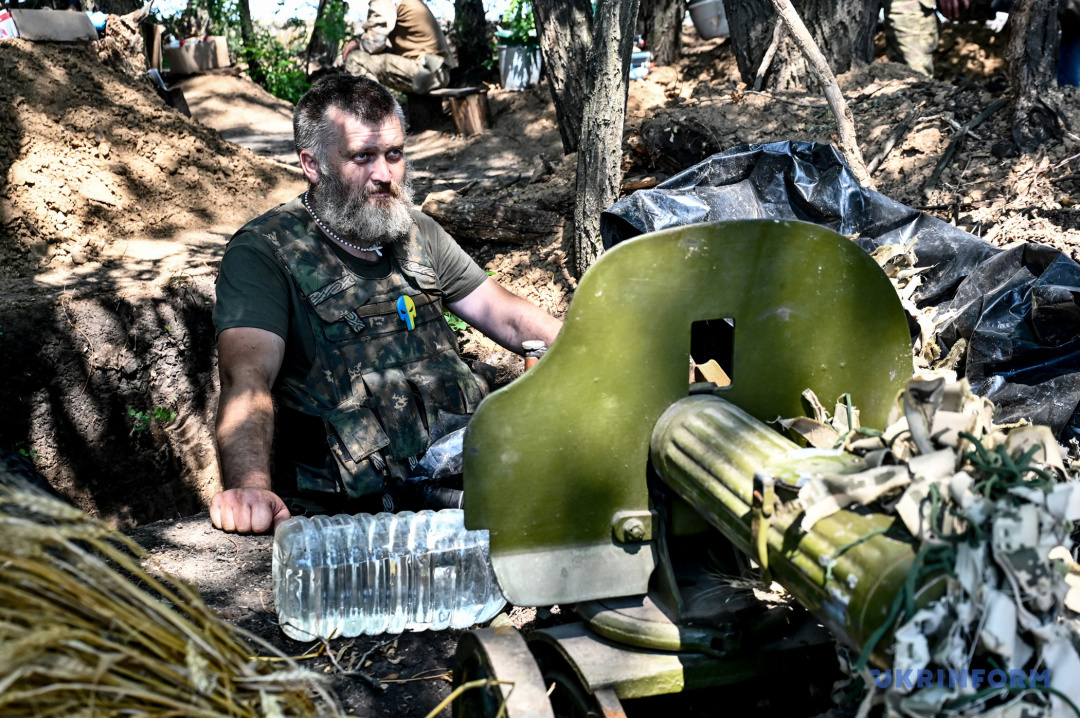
column 331, row 330
column 402, row 47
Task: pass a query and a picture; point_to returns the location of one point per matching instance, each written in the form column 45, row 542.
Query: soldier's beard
column 358, row 218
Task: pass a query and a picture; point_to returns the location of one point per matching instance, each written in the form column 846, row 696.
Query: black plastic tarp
column 1018, row 310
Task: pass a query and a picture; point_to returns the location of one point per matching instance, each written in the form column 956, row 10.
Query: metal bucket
column 709, row 19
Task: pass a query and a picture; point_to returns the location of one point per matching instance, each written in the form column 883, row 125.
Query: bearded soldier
column 331, row 329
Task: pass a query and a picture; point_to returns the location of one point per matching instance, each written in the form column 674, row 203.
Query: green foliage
column 456, row 323
column 141, row 420
column 25, row 450
column 280, row 70
column 520, row 28
column 332, row 24
column 224, row 14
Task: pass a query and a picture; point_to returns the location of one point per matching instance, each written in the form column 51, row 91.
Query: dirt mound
column 243, row 113
column 234, row 103
column 970, row 50
column 988, row 188
column 91, row 157
column 114, row 209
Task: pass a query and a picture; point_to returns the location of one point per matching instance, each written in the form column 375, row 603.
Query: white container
column 709, row 19
column 519, row 67
column 340, row 576
column 7, row 25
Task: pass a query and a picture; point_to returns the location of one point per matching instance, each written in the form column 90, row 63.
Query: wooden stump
column 468, row 105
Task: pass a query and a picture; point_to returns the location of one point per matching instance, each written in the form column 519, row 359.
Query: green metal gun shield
column 556, row 462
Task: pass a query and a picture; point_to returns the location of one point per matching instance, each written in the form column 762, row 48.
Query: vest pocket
column 354, row 432
column 354, row 435
column 392, row 396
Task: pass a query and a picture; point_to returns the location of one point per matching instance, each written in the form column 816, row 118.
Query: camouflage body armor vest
column 377, row 385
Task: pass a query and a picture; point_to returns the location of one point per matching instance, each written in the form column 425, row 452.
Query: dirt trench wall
column 114, row 212
column 77, row 367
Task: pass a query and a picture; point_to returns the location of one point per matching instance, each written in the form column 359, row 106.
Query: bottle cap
column 534, row 348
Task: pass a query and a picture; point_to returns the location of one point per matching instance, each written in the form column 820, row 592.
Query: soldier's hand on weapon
column 247, row 511
column 952, row 8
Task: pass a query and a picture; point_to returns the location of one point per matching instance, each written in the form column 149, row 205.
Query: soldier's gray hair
column 361, row 97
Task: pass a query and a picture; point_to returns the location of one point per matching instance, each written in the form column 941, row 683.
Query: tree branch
column 895, row 136
column 849, row 146
column 778, row 32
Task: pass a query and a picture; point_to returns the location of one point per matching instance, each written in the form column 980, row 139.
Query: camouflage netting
column 991, row 509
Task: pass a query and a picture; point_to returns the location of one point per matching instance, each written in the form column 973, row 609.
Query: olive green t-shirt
column 255, row 290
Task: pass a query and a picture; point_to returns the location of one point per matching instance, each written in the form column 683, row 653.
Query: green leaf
column 456, row 323
column 520, row 28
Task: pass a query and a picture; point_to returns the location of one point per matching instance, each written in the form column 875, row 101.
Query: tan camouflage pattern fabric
column 376, row 385
column 911, row 33
column 912, row 29
column 403, row 74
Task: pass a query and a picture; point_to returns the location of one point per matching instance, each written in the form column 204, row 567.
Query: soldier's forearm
column 532, row 323
column 505, row 317
column 245, row 433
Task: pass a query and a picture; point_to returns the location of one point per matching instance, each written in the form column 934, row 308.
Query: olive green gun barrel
column 707, row 450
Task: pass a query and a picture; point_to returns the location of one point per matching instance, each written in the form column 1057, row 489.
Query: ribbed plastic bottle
column 340, row 576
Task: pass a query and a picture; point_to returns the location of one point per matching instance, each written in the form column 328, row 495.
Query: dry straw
column 85, row 631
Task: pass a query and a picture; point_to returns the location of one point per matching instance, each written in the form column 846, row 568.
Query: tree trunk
column 661, row 24
column 472, row 43
column 1031, row 52
column 600, row 150
column 326, row 35
column 247, row 35
column 566, row 37
column 843, row 30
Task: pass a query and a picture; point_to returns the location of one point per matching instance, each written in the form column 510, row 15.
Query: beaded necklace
column 377, row 249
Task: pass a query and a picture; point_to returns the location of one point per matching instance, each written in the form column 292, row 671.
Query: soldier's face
column 368, row 158
column 363, row 192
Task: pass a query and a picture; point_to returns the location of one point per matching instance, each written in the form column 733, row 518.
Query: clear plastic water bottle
column 339, row 576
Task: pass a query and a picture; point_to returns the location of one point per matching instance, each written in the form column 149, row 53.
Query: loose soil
column 114, row 211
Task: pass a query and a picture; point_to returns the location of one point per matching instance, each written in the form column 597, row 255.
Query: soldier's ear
column 310, row 165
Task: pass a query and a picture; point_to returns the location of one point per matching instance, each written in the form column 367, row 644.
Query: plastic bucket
column 709, row 19
column 519, row 67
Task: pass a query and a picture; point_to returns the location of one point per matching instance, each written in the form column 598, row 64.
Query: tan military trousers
column 911, row 33
column 404, row 74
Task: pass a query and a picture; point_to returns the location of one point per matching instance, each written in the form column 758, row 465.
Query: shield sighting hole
column 712, row 350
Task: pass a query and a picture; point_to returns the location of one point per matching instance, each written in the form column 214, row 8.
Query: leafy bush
column 520, row 28
column 456, row 323
column 141, row 420
column 280, row 70
column 332, row 25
